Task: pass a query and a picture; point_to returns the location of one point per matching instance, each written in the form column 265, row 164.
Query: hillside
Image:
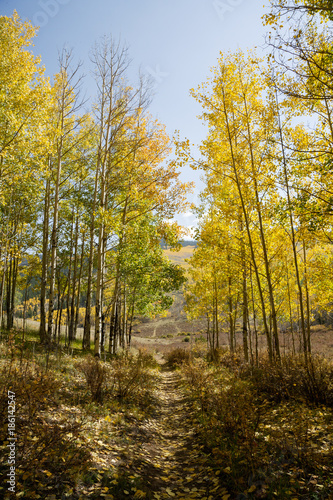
column 179, row 257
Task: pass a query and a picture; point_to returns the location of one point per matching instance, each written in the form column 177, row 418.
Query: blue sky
column 175, row 41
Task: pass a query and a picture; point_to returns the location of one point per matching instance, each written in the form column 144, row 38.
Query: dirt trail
column 172, row 464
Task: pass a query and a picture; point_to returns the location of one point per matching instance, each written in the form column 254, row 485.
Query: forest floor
column 165, row 452
column 199, row 432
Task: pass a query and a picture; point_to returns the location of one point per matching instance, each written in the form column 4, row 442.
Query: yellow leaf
column 251, row 490
column 140, row 494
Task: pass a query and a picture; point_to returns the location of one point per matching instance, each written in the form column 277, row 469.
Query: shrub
column 130, row 375
column 126, row 377
column 259, row 425
column 48, row 448
column 34, row 388
column 177, row 357
column 96, row 373
column 146, row 359
column 228, row 418
column 294, row 378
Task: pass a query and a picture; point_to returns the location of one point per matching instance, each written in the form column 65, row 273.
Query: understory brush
column 177, row 356
column 72, row 413
column 126, row 377
column 50, row 449
column 268, row 429
column 294, row 379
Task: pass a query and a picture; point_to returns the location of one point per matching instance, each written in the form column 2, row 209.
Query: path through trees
column 166, row 454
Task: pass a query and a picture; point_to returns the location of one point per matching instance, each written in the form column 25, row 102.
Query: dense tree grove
column 85, row 196
column 264, row 259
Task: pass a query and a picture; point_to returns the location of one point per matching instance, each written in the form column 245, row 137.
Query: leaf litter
column 159, row 455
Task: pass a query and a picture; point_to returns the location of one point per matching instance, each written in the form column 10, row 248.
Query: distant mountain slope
column 179, row 257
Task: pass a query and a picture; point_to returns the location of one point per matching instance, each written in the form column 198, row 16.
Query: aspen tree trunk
column 230, row 306
column 124, row 315
column 54, row 243
column 25, row 311
column 61, row 307
column 290, row 310
column 9, row 289
column 131, row 318
column 42, row 326
column 79, row 287
column 87, row 321
column 116, row 335
column 250, row 338
column 231, row 320
column 100, row 272
column 74, row 280
column 115, row 311
column 247, row 225
column 308, row 330
column 254, row 317
column 262, row 234
column 103, row 332
column 102, row 156
column 214, row 327
column 235, row 318
column 56, row 324
column 245, row 314
column 245, row 309
column 16, row 264
column 293, row 236
column 216, row 312
column 3, row 282
column 112, row 337
column 209, row 338
column 69, row 333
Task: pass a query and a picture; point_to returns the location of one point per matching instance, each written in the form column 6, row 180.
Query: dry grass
column 179, row 257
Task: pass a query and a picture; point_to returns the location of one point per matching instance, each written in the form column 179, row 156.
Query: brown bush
column 177, row 357
column 294, row 378
column 96, row 373
column 131, row 377
column 47, row 449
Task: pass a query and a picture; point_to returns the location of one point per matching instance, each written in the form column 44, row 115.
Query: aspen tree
column 66, row 87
